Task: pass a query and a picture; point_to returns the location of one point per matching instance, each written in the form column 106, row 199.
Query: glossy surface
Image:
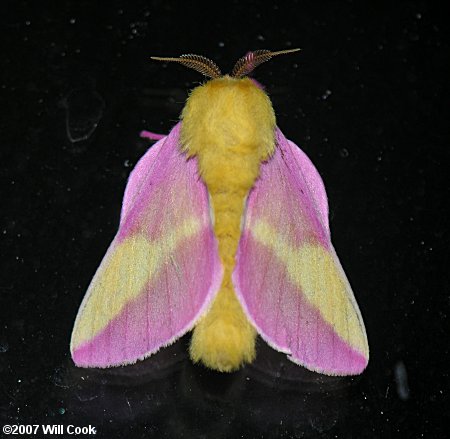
column 364, row 99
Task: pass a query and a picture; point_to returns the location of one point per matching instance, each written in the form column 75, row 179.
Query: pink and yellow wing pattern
column 287, row 275
column 162, row 269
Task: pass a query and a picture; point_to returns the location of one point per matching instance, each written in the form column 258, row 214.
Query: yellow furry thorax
column 230, row 112
column 229, row 125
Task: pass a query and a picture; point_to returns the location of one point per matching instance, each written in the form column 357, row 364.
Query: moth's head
column 237, row 79
column 230, row 107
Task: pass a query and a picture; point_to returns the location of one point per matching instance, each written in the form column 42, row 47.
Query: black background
column 364, row 99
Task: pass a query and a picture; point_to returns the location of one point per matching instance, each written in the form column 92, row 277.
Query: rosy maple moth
column 223, row 231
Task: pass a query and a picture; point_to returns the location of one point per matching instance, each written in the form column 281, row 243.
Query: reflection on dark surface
column 271, row 398
column 84, row 109
column 401, row 379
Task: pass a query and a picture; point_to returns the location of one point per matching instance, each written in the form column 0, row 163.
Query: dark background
column 364, row 99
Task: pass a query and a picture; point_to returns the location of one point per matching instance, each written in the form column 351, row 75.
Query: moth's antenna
column 247, row 63
column 197, row 62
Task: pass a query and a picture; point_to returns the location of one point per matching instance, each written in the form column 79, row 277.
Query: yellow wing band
column 123, row 275
column 315, row 271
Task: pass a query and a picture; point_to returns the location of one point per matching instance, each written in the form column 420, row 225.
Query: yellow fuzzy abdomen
column 229, row 125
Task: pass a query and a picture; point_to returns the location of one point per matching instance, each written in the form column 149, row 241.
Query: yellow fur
column 228, row 124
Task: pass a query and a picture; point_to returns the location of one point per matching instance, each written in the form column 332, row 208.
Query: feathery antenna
column 197, row 62
column 209, row 68
column 251, row 60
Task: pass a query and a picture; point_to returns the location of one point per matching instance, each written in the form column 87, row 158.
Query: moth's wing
column 287, row 275
column 162, row 269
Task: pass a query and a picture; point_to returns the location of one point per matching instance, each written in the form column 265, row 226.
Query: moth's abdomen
column 229, row 125
column 224, row 339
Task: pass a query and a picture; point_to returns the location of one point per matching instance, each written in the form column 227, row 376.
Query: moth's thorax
column 228, row 117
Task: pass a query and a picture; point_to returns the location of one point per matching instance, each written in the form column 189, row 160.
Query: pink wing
column 162, row 269
column 287, row 275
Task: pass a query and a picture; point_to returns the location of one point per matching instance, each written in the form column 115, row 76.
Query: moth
column 224, row 231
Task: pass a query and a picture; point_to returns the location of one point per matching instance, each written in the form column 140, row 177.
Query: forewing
column 287, row 275
column 160, row 272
